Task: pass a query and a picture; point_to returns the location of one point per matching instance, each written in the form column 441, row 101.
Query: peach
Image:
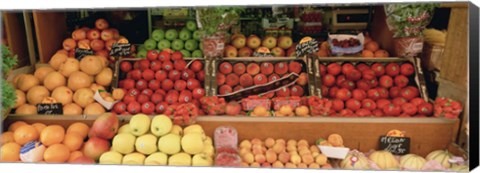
column 295, row 67
column 321, row 159
column 271, row 156
column 260, row 158
column 302, row 147
column 232, row 79
column 220, row 79
column 273, row 77
column 314, row 148
column 284, row 157
column 255, row 165
column 277, row 164
column 280, row 141
column 230, row 51
column 253, row 69
column 239, row 68
column 293, row 153
column 290, row 165
column 245, row 52
column 244, row 151
column 291, row 148
column 304, row 152
column 93, row 34
column 248, row 157
column 246, row 144
column 109, row 44
column 79, row 34
column 307, row 158
column 69, row 44
column 97, row 44
column 256, row 146
column 266, row 165
column 278, row 148
column 106, row 35
column 292, row 142
column 225, row 68
column 244, row 164
column 266, row 68
column 315, row 154
column 101, row 24
column 246, row 80
column 302, row 142
column 257, row 141
column 269, row 142
column 302, row 165
column 281, row 68
column 314, row 166
column 302, row 79
column 260, row 79
column 225, row 89
column 295, row 159
column 327, row 166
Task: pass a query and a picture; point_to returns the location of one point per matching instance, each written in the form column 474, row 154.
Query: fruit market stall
column 192, row 95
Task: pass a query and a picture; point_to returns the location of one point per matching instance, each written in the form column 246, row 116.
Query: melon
column 412, row 162
column 42, row 72
column 69, row 66
column 83, row 97
column 441, row 156
column 63, row 95
column 26, row 82
column 54, row 80
column 72, row 109
column 355, row 160
column 384, row 159
column 57, row 60
column 104, row 78
column 21, row 100
column 36, row 94
column 79, row 80
column 93, row 109
column 460, row 168
column 26, row 109
column 91, row 65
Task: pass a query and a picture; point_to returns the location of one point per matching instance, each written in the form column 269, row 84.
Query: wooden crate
column 17, row 37
column 51, row 30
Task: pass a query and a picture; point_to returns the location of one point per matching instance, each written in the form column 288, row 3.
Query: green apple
column 123, row 143
column 180, row 159
column 196, row 35
column 133, row 159
column 158, row 34
column 111, row 158
column 170, row 144
column 202, row 160
column 191, row 44
column 139, row 124
column 197, row 53
column 124, row 129
column 150, row 44
column 192, row 143
column 157, row 158
column 185, row 34
column 163, row 44
column 171, row 34
column 146, row 144
column 200, row 46
column 141, row 47
column 191, row 25
column 177, row 44
column 142, row 54
column 186, row 53
column 161, row 125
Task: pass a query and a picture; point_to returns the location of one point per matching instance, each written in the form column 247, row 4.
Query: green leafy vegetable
column 8, row 60
column 8, row 95
column 217, row 19
column 409, row 20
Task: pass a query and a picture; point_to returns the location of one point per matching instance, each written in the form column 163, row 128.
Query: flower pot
column 213, row 45
column 408, row 46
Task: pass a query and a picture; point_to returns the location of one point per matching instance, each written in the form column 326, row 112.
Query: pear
column 111, row 157
column 157, row 158
column 139, row 124
column 176, row 129
column 161, row 125
column 192, row 143
column 123, row 143
column 124, row 129
column 133, row 159
column 169, row 144
column 202, row 160
column 146, row 144
column 180, row 159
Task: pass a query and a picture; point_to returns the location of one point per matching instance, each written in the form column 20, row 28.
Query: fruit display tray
column 309, row 88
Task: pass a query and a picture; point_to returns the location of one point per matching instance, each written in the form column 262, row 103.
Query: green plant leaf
column 8, row 60
column 8, row 95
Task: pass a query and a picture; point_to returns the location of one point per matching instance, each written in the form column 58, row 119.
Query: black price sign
column 395, row 145
column 120, row 49
column 80, row 53
column 308, row 47
column 260, row 54
column 50, row 109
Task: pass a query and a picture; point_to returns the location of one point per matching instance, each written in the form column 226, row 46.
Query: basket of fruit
column 346, row 44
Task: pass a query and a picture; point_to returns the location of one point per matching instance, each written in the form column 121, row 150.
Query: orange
column 260, row 111
column 367, row 53
column 79, row 128
column 52, row 134
column 74, row 155
column 302, row 111
column 381, row 53
column 39, row 127
column 14, row 126
column 335, row 139
column 73, row 141
column 6, row 138
column 372, row 46
column 57, row 153
column 25, row 134
column 10, row 152
column 367, row 40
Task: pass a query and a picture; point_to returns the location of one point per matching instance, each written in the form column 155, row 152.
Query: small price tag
column 120, row 49
column 80, row 53
column 395, row 145
column 306, row 46
column 261, row 54
column 50, row 109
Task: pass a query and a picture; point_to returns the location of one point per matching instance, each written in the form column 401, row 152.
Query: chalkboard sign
column 50, row 109
column 120, row 49
column 305, row 48
column 260, row 54
column 395, row 145
column 80, row 53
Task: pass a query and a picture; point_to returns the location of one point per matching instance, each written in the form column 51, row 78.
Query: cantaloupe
column 83, row 97
column 94, row 109
column 91, row 65
column 63, row 95
column 441, row 156
column 412, row 162
column 72, row 109
column 42, row 72
column 26, row 82
column 26, row 109
column 54, row 80
column 36, row 94
column 21, row 99
column 104, row 78
column 355, row 160
column 79, row 80
column 57, row 60
column 69, row 66
column 384, row 159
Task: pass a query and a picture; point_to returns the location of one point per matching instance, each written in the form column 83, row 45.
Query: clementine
column 372, row 46
column 52, row 134
column 10, row 152
column 74, row 155
column 73, row 141
column 25, row 134
column 79, row 128
column 367, row 53
column 6, row 138
column 39, row 127
column 16, row 125
column 56, row 153
column 381, row 53
column 302, row 111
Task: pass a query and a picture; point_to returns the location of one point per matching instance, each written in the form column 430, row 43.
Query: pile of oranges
column 61, row 145
column 372, row 49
